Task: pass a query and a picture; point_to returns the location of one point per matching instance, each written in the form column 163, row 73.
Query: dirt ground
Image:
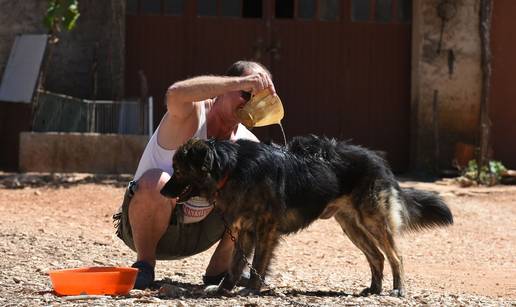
column 61, row 221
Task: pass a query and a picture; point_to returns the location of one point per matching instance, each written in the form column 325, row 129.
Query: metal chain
column 253, row 270
column 250, row 266
column 244, row 257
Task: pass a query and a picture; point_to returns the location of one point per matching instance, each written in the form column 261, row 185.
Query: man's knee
column 151, row 182
column 147, row 198
column 149, row 186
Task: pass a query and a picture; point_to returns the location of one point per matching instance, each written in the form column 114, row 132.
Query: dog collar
column 222, row 183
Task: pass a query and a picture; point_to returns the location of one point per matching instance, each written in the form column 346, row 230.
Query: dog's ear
column 208, row 161
column 209, row 156
column 200, row 151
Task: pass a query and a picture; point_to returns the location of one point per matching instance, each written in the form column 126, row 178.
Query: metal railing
column 59, row 113
column 123, row 117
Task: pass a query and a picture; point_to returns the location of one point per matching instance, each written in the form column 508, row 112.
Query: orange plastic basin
column 93, row 280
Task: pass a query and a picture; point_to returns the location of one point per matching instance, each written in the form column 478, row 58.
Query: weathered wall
column 100, row 35
column 455, row 73
column 100, row 27
column 80, row 152
column 19, row 17
column 16, row 17
column 70, row 70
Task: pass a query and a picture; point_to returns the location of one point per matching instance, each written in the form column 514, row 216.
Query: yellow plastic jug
column 263, row 109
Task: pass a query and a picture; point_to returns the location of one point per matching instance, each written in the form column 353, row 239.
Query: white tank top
column 155, row 156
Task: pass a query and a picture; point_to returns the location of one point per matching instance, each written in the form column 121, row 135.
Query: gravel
column 55, row 221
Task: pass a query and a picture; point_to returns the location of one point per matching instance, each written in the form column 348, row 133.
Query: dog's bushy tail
column 425, row 210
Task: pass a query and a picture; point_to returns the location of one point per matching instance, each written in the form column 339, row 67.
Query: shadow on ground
column 167, row 288
column 56, row 180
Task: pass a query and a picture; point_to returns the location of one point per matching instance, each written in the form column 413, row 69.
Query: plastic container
column 263, row 109
column 463, row 154
column 93, row 281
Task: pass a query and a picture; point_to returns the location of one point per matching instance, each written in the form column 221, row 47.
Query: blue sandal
column 145, row 276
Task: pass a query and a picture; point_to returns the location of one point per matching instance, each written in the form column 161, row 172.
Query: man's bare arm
column 182, row 95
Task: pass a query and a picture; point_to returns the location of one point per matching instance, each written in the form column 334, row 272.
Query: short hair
column 237, row 69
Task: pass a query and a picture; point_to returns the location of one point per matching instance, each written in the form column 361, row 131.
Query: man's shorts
column 180, row 240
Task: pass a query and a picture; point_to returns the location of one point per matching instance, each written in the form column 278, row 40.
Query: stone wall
column 99, row 33
column 80, row 152
column 455, row 74
column 98, row 41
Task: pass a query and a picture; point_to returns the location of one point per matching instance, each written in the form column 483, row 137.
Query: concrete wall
column 100, row 33
column 80, row 152
column 100, row 30
column 455, row 73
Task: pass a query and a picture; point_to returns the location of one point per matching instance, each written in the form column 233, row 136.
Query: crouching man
column 158, row 228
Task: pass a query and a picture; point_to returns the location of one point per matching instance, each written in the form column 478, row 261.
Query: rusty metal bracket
column 446, row 10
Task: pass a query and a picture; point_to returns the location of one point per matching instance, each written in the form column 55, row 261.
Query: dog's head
column 192, row 164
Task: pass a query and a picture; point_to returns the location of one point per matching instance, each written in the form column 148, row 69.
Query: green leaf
column 61, row 14
column 490, row 174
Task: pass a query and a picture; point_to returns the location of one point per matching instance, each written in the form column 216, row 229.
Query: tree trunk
column 486, row 8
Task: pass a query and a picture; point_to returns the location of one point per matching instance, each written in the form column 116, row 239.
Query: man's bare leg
column 149, row 214
column 221, row 259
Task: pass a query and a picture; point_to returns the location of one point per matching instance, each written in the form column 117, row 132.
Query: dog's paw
column 216, row 290
column 398, row 292
column 211, row 289
column 248, row 292
column 368, row 291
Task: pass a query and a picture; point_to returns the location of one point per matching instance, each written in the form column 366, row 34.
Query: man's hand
column 258, row 81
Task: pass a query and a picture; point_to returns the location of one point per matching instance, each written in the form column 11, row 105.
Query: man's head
column 237, row 99
column 242, row 68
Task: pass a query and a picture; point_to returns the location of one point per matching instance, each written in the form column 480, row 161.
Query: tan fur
column 340, row 204
column 373, row 233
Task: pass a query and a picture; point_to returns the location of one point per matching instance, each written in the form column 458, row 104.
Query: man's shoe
column 145, row 275
column 215, row 280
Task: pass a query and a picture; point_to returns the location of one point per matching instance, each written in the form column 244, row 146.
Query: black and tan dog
column 266, row 191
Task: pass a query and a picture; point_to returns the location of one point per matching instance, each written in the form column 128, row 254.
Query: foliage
column 489, row 174
column 61, row 14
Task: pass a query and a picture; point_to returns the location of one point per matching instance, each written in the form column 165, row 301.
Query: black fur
column 363, row 172
column 425, row 210
column 266, row 191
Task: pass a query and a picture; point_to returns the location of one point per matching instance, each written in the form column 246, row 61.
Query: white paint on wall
column 23, row 66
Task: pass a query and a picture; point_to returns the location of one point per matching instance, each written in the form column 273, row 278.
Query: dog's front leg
column 243, row 247
column 266, row 242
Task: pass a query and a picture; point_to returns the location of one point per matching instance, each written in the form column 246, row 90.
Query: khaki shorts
column 180, row 240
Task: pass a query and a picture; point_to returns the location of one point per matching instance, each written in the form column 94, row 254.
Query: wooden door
column 341, row 67
column 170, row 40
column 503, row 91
